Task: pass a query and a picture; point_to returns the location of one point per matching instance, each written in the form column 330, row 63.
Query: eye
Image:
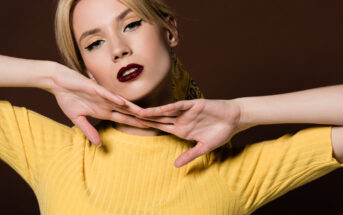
column 133, row 25
column 94, row 45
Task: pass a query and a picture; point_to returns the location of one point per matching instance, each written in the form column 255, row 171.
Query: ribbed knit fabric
column 131, row 175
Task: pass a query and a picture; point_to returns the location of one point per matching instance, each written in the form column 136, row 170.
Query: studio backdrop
column 233, row 48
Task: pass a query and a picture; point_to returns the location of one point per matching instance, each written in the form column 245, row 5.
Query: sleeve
column 27, row 139
column 265, row 171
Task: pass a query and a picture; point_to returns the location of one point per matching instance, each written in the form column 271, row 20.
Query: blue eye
column 133, row 25
column 94, row 45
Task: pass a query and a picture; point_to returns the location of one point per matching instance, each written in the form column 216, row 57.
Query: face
column 111, row 38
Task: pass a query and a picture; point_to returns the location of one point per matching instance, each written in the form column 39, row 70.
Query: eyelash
column 94, row 45
column 134, row 24
column 99, row 42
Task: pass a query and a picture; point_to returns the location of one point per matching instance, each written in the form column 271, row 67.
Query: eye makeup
column 128, row 27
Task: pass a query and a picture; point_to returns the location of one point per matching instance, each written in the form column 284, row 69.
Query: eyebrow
column 97, row 30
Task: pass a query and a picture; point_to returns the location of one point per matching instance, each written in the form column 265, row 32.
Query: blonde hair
column 153, row 11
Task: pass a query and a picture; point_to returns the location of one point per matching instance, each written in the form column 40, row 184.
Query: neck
column 161, row 95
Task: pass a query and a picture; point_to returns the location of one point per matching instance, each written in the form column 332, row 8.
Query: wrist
column 245, row 114
column 263, row 110
column 45, row 79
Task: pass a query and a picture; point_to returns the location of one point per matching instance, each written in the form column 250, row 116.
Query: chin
column 143, row 101
column 155, row 96
column 138, row 94
column 136, row 98
column 148, row 92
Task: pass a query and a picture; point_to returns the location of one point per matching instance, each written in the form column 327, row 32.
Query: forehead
column 90, row 14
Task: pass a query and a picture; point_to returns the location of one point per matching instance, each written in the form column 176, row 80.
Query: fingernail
column 177, row 164
column 97, row 145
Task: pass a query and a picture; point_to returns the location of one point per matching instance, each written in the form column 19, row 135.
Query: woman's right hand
column 79, row 96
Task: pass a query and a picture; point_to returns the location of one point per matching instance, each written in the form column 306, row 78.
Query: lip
column 132, row 75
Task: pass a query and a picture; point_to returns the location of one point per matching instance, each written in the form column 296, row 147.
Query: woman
column 70, row 176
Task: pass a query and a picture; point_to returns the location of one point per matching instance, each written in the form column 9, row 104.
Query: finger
column 165, row 120
column 166, row 110
column 126, row 119
column 128, row 109
column 123, row 110
column 172, row 113
column 111, row 97
column 163, row 127
column 159, row 114
column 117, row 117
column 133, row 108
column 191, row 154
column 90, row 132
column 154, row 111
column 180, row 105
column 157, row 111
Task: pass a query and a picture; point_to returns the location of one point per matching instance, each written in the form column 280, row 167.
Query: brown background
column 231, row 48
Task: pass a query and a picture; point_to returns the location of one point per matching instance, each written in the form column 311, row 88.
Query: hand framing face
column 211, row 123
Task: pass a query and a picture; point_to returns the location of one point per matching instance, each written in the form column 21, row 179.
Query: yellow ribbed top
column 135, row 174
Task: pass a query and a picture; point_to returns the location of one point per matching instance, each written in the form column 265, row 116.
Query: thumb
column 186, row 157
column 89, row 131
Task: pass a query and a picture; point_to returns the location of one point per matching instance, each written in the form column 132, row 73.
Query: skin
column 210, row 122
column 214, row 122
column 119, row 41
column 77, row 95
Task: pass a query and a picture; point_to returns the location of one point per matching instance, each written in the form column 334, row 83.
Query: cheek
column 98, row 66
column 152, row 47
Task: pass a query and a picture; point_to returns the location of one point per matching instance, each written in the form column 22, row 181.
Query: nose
column 120, row 49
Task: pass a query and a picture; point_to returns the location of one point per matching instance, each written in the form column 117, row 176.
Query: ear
column 172, row 37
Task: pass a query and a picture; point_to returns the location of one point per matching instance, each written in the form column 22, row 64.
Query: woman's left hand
column 211, row 123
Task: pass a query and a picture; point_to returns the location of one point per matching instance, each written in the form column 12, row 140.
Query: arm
column 77, row 95
column 320, row 106
column 15, row 72
column 212, row 123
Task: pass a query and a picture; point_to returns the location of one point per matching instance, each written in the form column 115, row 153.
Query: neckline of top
column 119, row 136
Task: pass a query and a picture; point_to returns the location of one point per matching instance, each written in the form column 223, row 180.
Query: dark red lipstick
column 130, row 72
